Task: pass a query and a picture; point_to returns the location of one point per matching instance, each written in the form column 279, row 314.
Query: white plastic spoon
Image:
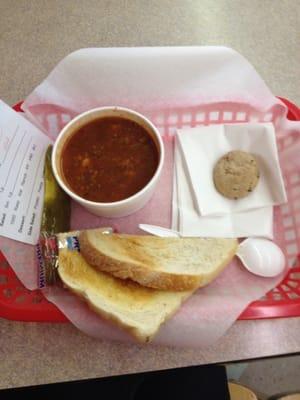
column 159, row 231
column 260, row 256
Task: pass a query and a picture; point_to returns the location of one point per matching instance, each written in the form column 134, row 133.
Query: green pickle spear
column 55, row 219
column 57, row 205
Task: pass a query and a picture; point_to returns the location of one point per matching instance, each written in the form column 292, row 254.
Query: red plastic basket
column 19, row 303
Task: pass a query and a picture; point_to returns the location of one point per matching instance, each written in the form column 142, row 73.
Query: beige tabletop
column 34, row 36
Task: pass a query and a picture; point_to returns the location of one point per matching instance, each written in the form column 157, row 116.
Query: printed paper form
column 22, row 155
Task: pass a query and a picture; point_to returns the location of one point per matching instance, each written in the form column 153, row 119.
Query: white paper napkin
column 203, row 146
column 186, row 219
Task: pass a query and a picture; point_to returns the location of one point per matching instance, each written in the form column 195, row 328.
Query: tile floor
column 269, row 377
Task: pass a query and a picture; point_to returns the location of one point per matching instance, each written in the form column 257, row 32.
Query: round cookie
column 236, row 174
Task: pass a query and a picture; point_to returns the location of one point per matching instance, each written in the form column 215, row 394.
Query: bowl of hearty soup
column 109, row 160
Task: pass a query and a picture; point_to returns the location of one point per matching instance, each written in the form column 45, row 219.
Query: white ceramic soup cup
column 118, row 208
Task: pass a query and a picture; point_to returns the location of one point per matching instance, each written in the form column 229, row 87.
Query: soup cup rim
column 112, row 109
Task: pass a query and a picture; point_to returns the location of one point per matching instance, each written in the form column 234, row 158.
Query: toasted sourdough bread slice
column 137, row 309
column 160, row 263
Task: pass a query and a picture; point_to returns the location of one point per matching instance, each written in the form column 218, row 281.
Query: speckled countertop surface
column 34, row 36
